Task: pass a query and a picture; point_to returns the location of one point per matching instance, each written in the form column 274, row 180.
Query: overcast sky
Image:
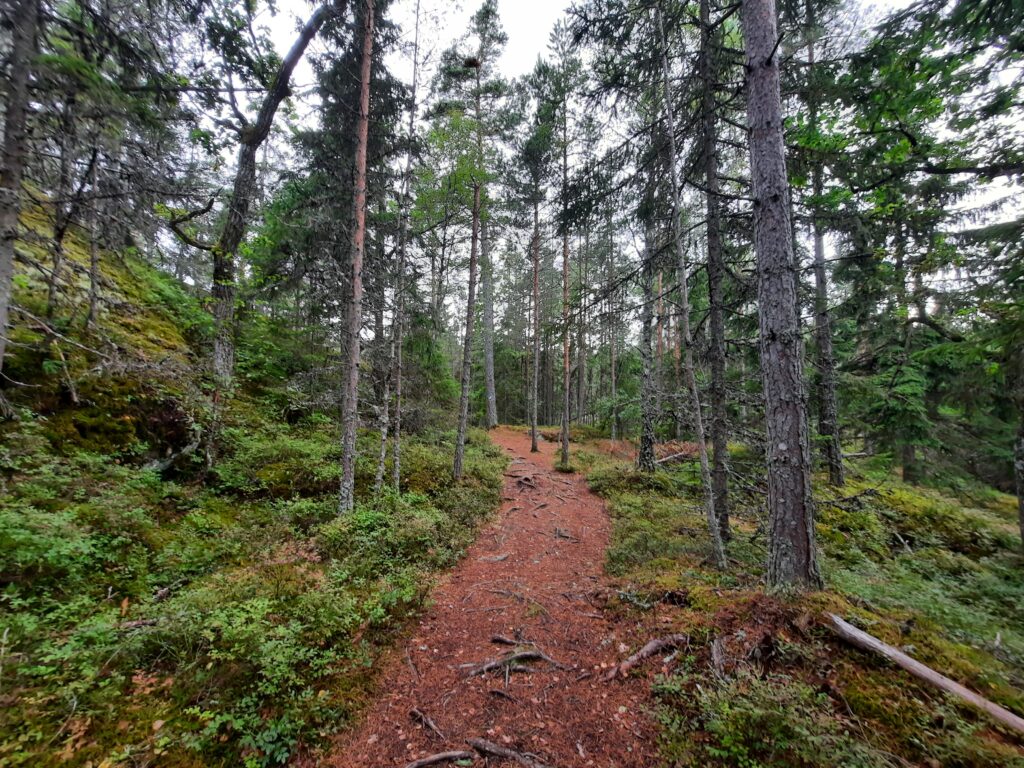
column 528, row 24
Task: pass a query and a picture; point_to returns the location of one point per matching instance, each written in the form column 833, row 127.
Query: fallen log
column 441, row 757
column 490, row 749
column 866, row 642
column 654, row 646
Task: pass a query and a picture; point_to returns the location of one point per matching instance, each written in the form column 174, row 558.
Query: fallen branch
column 512, row 661
column 490, row 749
column 421, row 717
column 867, row 642
column 441, row 757
column 653, row 647
column 681, row 454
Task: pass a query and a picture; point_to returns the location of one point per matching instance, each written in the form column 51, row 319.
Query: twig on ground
column 421, row 717
column 669, row 642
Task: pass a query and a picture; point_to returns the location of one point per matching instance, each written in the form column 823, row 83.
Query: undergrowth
column 181, row 617
column 144, row 618
column 935, row 571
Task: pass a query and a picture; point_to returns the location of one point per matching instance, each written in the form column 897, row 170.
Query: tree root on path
column 441, row 757
column 490, row 749
column 653, row 647
column 512, row 662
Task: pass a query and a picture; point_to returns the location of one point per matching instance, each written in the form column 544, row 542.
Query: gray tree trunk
column 403, row 241
column 792, row 557
column 648, row 414
column 534, row 392
column 487, row 296
column 467, row 345
column 716, row 274
column 25, row 18
column 350, row 377
column 565, row 290
column 828, row 411
column 717, row 550
column 252, row 136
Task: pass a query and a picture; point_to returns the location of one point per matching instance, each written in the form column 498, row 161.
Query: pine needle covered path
column 516, row 649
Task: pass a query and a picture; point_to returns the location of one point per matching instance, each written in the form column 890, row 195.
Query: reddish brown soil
column 546, row 592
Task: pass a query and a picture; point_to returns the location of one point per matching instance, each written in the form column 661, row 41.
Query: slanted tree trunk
column 251, row 137
column 717, row 549
column 716, row 273
column 487, row 296
column 350, row 378
column 467, row 345
column 645, row 453
column 792, row 557
column 534, row 391
column 25, row 20
column 828, row 411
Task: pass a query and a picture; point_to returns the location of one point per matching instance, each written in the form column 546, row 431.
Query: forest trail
column 534, row 576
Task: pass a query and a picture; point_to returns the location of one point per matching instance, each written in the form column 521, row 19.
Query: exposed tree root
column 441, row 757
column 512, row 662
column 490, row 749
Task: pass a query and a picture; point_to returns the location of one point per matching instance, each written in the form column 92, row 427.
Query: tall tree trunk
column 403, row 241
column 534, row 392
column 350, row 379
column 565, row 287
column 487, row 296
column 94, row 249
column 828, row 411
column 467, row 345
column 717, row 549
column 1018, row 460
column 648, row 414
column 716, row 273
column 25, row 18
column 792, row 557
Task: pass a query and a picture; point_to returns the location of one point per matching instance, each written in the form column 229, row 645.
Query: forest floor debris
column 562, row 714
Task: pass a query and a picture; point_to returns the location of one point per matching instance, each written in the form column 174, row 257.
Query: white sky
column 528, row 24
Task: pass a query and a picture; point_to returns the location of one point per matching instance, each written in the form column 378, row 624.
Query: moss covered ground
column 186, row 617
column 935, row 571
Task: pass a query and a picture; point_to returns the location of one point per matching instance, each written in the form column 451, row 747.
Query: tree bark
column 487, row 295
column 565, row 287
column 534, row 392
column 1018, row 467
column 717, row 549
column 252, row 136
column 645, row 453
column 792, row 557
column 716, row 274
column 467, row 345
column 25, row 18
column 350, row 378
column 828, row 411
column 403, row 241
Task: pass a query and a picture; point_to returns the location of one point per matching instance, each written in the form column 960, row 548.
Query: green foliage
column 758, row 722
column 937, row 574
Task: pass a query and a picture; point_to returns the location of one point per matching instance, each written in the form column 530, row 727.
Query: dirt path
column 532, row 576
